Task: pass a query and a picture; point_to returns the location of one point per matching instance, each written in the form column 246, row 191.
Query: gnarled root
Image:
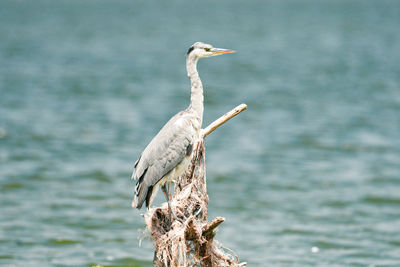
column 188, row 241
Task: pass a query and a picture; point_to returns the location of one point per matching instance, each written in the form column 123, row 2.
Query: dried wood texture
column 189, row 241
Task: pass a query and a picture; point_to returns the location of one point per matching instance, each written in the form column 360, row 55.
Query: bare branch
column 221, row 120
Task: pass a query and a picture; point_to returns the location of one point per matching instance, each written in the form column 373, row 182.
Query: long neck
column 196, row 98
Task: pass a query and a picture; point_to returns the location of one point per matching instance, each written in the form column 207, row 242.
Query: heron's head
column 200, row 50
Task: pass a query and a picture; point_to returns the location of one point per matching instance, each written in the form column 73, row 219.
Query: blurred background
column 309, row 175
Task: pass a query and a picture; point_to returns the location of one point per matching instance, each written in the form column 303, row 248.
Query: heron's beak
column 220, row 51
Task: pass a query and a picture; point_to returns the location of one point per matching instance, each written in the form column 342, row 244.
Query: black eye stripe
column 190, row 50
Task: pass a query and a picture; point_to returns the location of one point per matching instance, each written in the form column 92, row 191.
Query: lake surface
column 309, row 175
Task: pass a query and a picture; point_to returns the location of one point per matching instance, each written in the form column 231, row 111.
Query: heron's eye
column 207, row 49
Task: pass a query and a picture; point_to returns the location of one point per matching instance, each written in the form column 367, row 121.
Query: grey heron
column 168, row 155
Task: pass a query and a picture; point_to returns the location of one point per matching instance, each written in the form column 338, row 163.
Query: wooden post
column 189, row 241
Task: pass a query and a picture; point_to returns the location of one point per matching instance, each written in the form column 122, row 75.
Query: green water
column 313, row 162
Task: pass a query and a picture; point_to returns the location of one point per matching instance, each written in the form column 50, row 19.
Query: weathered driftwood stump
column 189, row 241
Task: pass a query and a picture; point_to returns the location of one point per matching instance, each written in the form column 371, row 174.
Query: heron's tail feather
column 140, row 192
column 136, row 203
column 134, row 167
column 143, row 193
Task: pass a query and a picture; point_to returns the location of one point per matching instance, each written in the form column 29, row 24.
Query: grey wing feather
column 163, row 153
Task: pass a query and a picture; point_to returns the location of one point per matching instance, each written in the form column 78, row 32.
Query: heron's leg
column 168, row 185
column 170, row 190
column 171, row 212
